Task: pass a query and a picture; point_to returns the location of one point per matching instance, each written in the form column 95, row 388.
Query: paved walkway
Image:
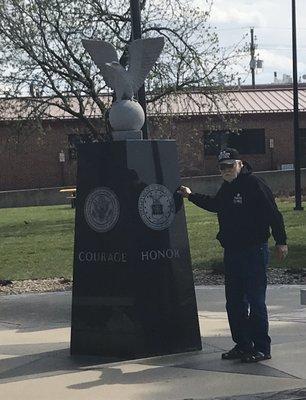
column 35, row 362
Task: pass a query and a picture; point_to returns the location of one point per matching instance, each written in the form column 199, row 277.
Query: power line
column 267, row 47
column 242, row 28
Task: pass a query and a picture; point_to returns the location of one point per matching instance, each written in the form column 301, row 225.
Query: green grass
column 37, row 242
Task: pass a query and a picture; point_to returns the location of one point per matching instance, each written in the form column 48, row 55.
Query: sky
column 272, row 22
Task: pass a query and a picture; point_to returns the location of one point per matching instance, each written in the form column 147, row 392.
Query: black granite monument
column 133, row 291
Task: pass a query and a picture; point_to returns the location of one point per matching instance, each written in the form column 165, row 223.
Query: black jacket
column 246, row 210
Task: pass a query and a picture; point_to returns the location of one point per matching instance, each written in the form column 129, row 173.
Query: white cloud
column 276, row 61
column 259, row 13
column 279, row 62
column 234, row 15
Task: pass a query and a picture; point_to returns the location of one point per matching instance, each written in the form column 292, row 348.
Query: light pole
column 136, row 34
column 297, row 164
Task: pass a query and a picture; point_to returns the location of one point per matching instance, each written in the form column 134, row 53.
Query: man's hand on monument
column 184, row 191
column 281, row 251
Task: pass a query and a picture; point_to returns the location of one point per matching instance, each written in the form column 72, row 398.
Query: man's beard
column 229, row 177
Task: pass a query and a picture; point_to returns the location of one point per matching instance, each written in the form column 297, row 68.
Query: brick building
column 263, row 121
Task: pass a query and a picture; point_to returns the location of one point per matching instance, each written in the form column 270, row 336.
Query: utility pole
column 297, row 164
column 136, row 34
column 253, row 61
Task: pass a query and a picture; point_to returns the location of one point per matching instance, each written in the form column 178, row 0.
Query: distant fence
column 32, row 197
column 281, row 183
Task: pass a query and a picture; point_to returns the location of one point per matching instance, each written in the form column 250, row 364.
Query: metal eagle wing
column 102, row 52
column 143, row 54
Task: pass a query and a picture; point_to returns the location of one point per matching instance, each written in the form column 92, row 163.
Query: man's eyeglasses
column 224, row 166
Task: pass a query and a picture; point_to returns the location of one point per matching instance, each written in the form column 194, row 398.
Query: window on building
column 213, row 142
column 73, row 141
column 246, row 141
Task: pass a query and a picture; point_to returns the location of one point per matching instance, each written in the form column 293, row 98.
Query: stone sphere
column 126, row 115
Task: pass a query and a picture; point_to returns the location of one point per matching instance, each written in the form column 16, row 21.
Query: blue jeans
column 245, row 291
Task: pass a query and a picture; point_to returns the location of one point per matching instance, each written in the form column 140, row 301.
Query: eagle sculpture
column 143, row 54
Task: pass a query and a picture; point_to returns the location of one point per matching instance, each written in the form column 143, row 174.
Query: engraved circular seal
column 156, row 207
column 102, row 209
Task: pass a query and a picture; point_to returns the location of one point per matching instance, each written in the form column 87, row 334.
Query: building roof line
column 192, row 103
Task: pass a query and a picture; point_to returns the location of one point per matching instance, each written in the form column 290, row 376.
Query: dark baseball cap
column 228, row 155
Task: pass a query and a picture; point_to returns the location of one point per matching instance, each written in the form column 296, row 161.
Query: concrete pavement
column 35, row 361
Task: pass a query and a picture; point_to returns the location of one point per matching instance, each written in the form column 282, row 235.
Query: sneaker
column 255, row 357
column 234, row 354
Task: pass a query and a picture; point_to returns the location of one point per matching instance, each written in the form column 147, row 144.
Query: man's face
column 230, row 169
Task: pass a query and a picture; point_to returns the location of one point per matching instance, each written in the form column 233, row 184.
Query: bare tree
column 42, row 55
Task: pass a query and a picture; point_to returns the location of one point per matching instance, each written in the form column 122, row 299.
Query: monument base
column 126, row 135
column 133, row 290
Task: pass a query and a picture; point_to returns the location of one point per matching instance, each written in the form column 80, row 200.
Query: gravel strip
column 201, row 277
column 276, row 276
column 36, row 286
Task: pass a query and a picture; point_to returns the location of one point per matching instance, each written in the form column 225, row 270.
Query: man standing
column 246, row 211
